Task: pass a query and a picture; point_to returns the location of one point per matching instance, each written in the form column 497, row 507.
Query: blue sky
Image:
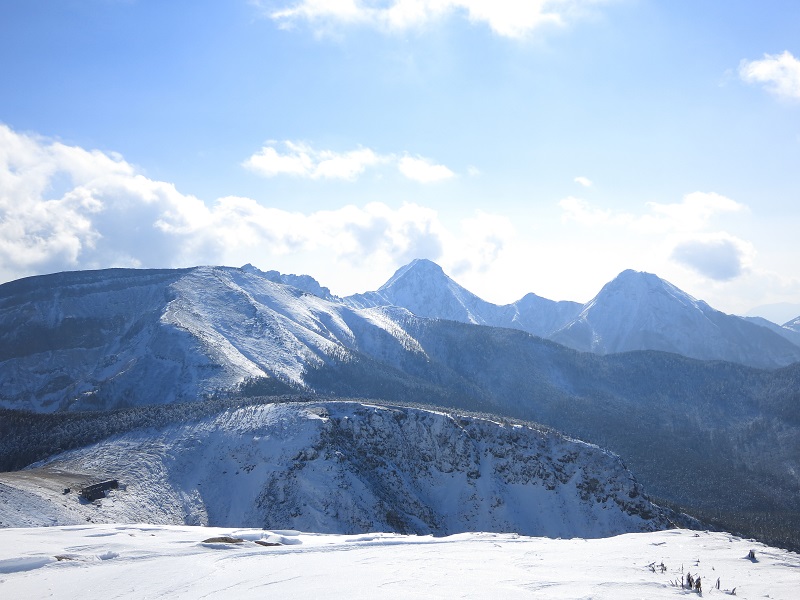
column 538, row 146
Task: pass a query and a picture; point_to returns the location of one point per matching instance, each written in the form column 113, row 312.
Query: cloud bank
column 507, row 18
column 301, row 160
column 684, row 226
column 720, row 258
column 693, row 213
column 778, row 73
column 63, row 208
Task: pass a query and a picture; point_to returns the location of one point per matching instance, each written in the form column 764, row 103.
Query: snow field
column 143, row 561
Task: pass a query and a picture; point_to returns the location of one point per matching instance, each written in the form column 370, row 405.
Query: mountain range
column 114, row 338
column 717, row 438
column 635, row 311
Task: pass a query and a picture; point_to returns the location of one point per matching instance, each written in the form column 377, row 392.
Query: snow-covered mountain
column 794, row 324
column 640, row 311
column 119, row 337
column 423, row 288
column 635, row 311
column 340, row 467
column 787, row 331
column 125, row 338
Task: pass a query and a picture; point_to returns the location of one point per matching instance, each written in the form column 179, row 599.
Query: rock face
column 342, row 467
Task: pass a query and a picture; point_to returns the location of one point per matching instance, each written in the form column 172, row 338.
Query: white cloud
column 584, row 181
column 301, row 160
column 692, row 214
column 64, row 208
column 485, row 238
column 37, row 225
column 508, row 18
column 580, row 211
column 422, row 170
column 779, row 73
column 348, row 165
column 719, row 257
column 677, row 232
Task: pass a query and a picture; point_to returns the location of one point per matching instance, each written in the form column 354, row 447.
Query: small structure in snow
column 96, row 491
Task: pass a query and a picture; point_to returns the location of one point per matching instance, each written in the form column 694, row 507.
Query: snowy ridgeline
column 115, row 338
column 635, row 311
column 118, row 338
column 180, row 562
column 340, row 467
column 99, row 340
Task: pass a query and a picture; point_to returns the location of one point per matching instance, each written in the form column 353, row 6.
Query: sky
column 541, row 146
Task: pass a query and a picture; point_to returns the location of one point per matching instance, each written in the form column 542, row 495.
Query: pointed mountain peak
column 642, row 278
column 423, row 288
column 632, row 283
column 419, row 269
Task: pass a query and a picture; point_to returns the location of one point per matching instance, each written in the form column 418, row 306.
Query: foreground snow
column 145, row 561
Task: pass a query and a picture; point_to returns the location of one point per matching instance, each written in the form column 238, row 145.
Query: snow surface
column 146, row 561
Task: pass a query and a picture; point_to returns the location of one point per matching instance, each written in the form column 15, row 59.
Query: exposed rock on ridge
column 341, row 467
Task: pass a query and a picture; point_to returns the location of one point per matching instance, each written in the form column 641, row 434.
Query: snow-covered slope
column 786, row 331
column 145, row 561
column 104, row 339
column 794, row 324
column 341, row 467
column 640, row 311
column 115, row 338
column 423, row 288
column 635, row 311
column 301, row 282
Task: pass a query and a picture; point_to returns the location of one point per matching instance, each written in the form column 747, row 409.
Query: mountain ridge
column 103, row 343
column 343, row 467
column 634, row 311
